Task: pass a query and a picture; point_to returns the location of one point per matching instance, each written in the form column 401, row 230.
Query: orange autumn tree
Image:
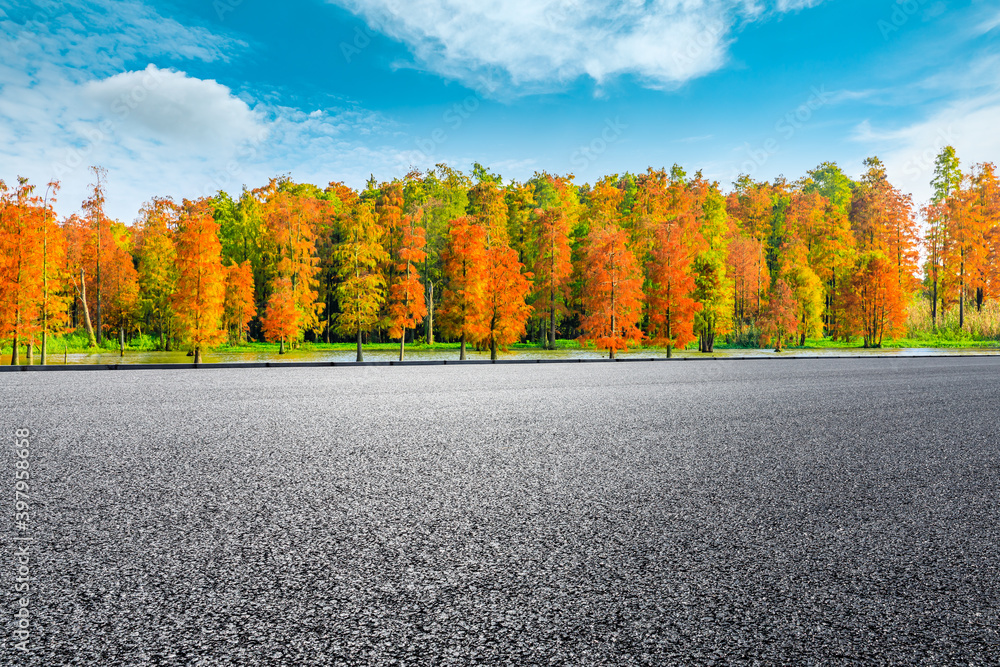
column 669, row 221
column 503, row 310
column 291, row 220
column 121, row 283
column 360, row 256
column 389, row 213
column 967, row 252
column 987, row 185
column 239, row 306
column 54, row 315
column 875, row 303
column 612, row 296
column 781, row 320
column 76, row 232
column 804, row 222
column 671, row 307
column 281, row 318
column 201, row 279
column 883, row 277
column 464, row 259
column 20, row 266
column 748, row 271
column 407, row 305
column 751, row 207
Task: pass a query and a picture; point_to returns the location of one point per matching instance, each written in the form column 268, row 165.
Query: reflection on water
column 137, row 357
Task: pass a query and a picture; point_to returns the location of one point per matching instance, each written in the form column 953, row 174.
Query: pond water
column 142, row 357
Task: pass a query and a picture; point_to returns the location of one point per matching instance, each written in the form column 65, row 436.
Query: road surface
column 727, row 512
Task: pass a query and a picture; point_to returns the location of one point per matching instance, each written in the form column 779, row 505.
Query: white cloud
column 909, row 152
column 988, row 25
column 967, row 121
column 72, row 95
column 169, row 106
column 532, row 43
column 795, row 5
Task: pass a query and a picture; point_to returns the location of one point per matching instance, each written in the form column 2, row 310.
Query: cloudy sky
column 185, row 97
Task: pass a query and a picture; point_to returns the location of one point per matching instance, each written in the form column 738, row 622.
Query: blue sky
column 186, row 97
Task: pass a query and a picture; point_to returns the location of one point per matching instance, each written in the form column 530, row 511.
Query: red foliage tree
column 781, row 320
column 886, row 236
column 464, row 260
column 21, row 288
column 671, row 306
column 502, row 310
column 613, row 293
column 407, row 305
column 875, row 304
column 282, row 317
column 292, row 220
column 239, row 305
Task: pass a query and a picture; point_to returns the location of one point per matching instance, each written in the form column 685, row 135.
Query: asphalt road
column 760, row 512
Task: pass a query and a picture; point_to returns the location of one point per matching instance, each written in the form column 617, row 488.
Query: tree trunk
column 961, row 296
column 429, row 320
column 706, row 341
column 361, row 356
column 121, row 341
column 45, row 347
column 281, row 345
column 493, row 349
column 15, row 355
column 611, row 353
column 91, row 339
column 934, row 305
column 552, row 328
column 461, row 353
column 29, row 352
column 402, row 342
column 197, row 354
column 670, row 351
column 100, row 334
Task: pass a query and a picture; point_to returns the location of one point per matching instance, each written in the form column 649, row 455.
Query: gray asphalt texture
column 769, row 512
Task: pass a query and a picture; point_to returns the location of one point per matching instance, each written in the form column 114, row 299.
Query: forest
column 661, row 259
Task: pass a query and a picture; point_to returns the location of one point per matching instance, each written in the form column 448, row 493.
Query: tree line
column 662, row 258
